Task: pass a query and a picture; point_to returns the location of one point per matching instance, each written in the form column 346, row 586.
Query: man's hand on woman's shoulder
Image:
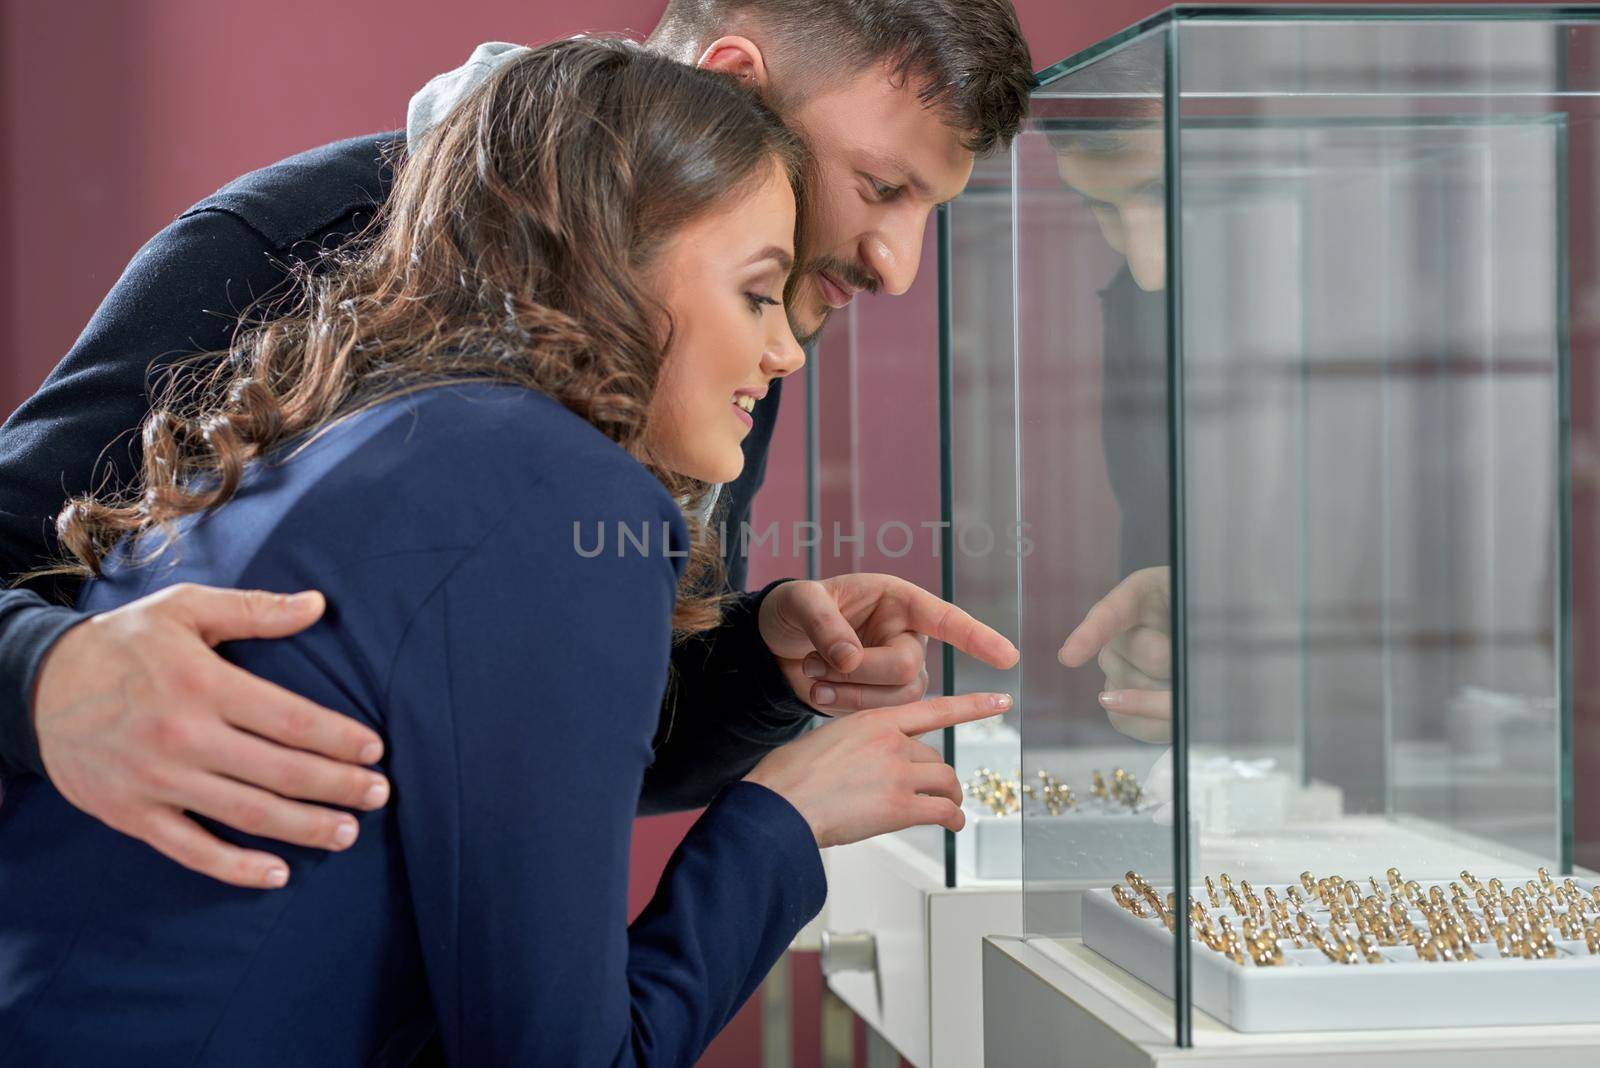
column 139, row 719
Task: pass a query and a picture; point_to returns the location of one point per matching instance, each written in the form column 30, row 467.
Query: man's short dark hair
column 967, row 58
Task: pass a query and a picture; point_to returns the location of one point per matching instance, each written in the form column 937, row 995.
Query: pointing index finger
column 937, row 713
column 1125, row 607
column 940, row 619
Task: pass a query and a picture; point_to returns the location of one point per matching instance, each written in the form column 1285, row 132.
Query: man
column 135, row 720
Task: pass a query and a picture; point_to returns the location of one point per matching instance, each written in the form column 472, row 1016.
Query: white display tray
column 1311, row 993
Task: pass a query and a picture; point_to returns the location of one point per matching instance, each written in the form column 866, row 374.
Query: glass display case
column 903, row 458
column 1266, row 379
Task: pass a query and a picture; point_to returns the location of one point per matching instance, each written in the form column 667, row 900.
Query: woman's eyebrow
column 772, row 252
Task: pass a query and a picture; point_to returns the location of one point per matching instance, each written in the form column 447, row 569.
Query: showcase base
column 1309, row 992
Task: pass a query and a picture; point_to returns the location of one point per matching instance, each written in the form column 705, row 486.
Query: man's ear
column 738, row 57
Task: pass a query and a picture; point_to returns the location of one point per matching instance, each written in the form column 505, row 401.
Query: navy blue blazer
column 517, row 678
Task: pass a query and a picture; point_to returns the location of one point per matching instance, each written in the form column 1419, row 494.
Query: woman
column 554, row 327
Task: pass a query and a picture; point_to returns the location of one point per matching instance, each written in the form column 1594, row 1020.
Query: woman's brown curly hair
column 515, row 247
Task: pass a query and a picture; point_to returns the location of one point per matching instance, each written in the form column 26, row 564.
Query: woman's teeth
column 745, row 401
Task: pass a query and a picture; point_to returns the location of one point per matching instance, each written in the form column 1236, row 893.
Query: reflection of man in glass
column 1121, row 176
column 1119, row 171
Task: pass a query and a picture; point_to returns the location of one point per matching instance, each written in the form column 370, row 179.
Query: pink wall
column 115, row 116
column 158, row 103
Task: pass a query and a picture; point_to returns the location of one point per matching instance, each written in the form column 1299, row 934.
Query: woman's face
column 721, row 278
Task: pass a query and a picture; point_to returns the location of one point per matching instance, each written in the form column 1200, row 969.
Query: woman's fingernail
column 824, row 695
column 1110, row 699
column 377, row 794
column 1000, row 700
column 277, row 877
column 814, row 667
column 344, row 834
column 370, row 753
column 840, row 651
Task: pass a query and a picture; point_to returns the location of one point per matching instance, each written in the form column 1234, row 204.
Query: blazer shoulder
column 298, row 198
column 479, row 448
column 512, row 430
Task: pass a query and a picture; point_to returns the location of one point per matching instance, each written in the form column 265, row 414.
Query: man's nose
column 1146, row 246
column 895, row 251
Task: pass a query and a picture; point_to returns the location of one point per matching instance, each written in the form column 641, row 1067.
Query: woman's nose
column 783, row 354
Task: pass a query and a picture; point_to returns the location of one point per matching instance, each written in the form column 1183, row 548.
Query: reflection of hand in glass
column 1127, row 632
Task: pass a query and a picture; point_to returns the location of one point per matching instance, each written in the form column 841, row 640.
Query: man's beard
column 801, row 293
column 804, row 338
column 845, row 272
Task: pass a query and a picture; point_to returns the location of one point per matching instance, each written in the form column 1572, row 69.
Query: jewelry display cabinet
column 1262, row 341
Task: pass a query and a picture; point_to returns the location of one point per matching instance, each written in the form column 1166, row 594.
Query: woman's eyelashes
column 759, row 301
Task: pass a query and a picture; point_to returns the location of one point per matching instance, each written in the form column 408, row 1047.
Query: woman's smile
column 744, row 403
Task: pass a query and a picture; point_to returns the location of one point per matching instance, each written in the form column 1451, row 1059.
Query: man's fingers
column 1147, row 649
column 1152, row 704
column 1111, row 615
column 935, row 811
column 936, row 780
column 231, row 615
column 891, row 674
column 895, row 663
column 1143, row 728
column 254, row 811
column 945, row 622
column 813, row 610
column 1141, row 598
column 936, row 713
column 844, row 697
column 1122, row 675
column 289, row 719
column 295, row 773
column 180, row 839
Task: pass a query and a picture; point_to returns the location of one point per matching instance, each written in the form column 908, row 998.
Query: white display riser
column 1081, row 844
column 1054, row 1003
column 924, row 992
column 1311, row 993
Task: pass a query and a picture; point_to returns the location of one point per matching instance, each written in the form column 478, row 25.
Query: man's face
column 1124, row 189
column 881, row 162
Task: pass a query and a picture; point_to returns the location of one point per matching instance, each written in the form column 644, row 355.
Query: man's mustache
column 848, row 273
column 851, row 274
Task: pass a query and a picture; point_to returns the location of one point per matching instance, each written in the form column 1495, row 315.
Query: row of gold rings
column 998, row 794
column 1056, row 796
column 1123, row 788
column 1452, row 926
column 1003, row 796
